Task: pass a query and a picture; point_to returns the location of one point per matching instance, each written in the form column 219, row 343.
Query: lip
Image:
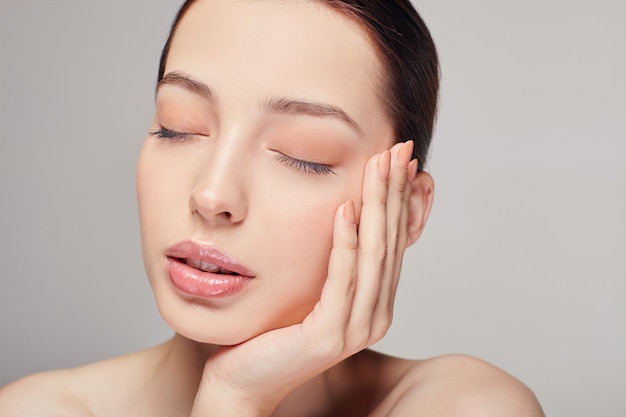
column 196, row 282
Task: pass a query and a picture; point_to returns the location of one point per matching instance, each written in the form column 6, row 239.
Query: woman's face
column 265, row 119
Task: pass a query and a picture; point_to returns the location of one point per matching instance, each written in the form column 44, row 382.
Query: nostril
column 222, row 205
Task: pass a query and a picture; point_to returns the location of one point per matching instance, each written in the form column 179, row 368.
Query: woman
column 275, row 207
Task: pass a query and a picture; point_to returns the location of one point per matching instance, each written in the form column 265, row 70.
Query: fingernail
column 349, row 214
column 411, row 172
column 384, row 163
column 405, row 153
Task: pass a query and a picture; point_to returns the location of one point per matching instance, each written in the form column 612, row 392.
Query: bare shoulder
column 42, row 394
column 456, row 385
column 75, row 392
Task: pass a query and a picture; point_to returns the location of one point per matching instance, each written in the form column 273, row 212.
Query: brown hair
column 411, row 87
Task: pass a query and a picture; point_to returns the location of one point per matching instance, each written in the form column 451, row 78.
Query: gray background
column 523, row 262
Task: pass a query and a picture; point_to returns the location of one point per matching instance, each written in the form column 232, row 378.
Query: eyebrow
column 282, row 105
column 183, row 80
column 275, row 105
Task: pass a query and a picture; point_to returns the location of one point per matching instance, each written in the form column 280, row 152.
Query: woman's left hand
column 354, row 311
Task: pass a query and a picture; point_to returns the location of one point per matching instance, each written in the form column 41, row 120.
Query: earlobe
column 420, row 203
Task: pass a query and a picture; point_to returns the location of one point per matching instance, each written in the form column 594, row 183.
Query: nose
column 218, row 195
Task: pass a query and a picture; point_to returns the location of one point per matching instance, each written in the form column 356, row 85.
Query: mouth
column 207, row 258
column 205, row 266
column 206, row 271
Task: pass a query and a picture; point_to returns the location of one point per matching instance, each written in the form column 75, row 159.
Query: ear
column 420, row 203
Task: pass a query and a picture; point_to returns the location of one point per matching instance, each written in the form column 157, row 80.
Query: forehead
column 290, row 48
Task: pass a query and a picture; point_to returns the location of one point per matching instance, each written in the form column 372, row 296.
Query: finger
column 396, row 201
column 372, row 248
column 333, row 310
column 396, row 234
column 397, row 216
column 402, row 241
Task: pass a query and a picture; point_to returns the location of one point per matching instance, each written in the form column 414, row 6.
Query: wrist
column 213, row 400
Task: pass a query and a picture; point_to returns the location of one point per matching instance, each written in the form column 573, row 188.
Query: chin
column 213, row 338
column 227, row 321
column 197, row 323
column 220, row 334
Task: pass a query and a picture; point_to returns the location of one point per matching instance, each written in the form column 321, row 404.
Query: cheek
column 143, row 183
column 147, row 195
column 307, row 226
column 158, row 193
column 301, row 229
column 298, row 227
column 147, row 202
column 301, row 241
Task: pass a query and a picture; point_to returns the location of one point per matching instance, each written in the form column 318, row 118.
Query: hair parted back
column 411, row 85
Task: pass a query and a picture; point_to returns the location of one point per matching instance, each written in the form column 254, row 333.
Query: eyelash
column 171, row 135
column 307, row 167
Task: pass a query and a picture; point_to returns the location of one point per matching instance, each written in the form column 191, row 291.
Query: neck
column 178, row 372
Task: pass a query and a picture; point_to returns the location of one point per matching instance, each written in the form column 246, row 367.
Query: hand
column 354, row 311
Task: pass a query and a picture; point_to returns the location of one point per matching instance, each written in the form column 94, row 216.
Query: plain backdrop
column 523, row 262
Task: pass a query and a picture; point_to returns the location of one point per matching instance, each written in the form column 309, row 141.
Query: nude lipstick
column 205, row 271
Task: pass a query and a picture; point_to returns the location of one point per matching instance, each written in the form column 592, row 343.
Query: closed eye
column 307, row 167
column 171, row 135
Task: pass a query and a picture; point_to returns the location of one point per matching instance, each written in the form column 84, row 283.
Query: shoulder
column 44, row 394
column 458, row 385
column 77, row 392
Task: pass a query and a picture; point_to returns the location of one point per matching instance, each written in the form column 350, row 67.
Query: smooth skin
column 326, row 247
